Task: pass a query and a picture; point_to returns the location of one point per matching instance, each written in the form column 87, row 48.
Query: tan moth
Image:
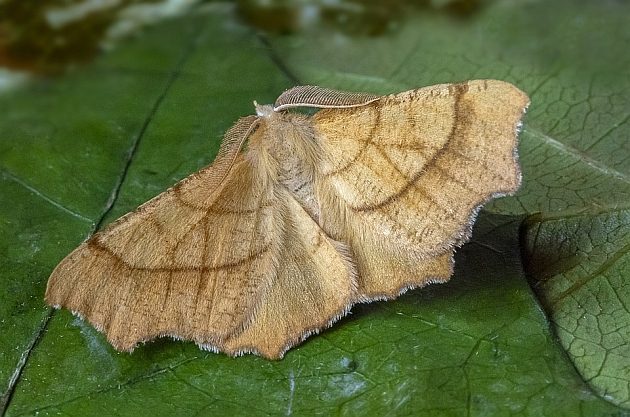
column 364, row 200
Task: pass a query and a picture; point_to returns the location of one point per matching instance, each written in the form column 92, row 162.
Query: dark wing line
column 95, row 245
column 365, row 145
column 456, row 129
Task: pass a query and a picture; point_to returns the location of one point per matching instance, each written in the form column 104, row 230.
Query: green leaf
column 579, row 264
column 78, row 151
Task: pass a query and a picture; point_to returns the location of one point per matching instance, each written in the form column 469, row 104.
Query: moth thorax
column 291, row 144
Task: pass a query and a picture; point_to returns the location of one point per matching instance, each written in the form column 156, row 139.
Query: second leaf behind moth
column 364, row 200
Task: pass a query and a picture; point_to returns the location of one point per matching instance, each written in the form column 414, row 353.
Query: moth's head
column 264, row 110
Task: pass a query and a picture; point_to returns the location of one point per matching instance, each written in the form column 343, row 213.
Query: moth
column 300, row 217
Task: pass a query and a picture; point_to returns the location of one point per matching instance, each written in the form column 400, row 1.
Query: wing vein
column 364, row 146
column 460, row 90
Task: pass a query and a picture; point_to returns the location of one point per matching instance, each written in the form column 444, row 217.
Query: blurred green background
column 105, row 103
